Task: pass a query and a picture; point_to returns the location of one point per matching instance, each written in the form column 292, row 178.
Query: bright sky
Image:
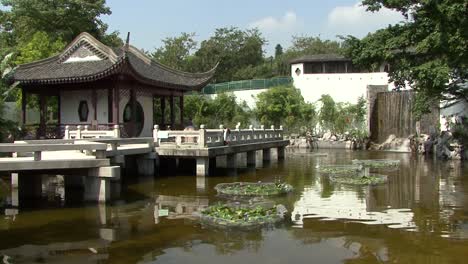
column 150, row 21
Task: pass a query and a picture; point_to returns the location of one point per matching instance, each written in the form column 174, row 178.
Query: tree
column 328, row 112
column 233, row 49
column 40, row 46
column 63, row 19
column 284, row 105
column 278, row 51
column 175, row 51
column 306, row 45
column 427, row 51
column 6, row 69
column 223, row 109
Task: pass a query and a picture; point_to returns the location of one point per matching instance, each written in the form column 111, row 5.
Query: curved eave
column 157, row 83
column 75, row 79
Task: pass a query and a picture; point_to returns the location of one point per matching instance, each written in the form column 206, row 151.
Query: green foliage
column 427, row 51
column 176, row 51
column 340, row 169
column 342, row 117
column 328, row 112
column 378, row 163
column 233, row 49
column 238, row 216
column 39, row 47
column 222, row 109
column 63, row 19
column 284, row 105
column 371, row 179
column 252, row 189
column 460, row 132
column 278, row 50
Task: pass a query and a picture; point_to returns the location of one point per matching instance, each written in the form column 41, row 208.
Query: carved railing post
column 116, row 131
column 262, row 128
column 155, row 135
column 252, row 133
column 67, row 132
column 78, row 132
column 202, row 137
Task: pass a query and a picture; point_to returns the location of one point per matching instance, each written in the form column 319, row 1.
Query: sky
column 150, row 21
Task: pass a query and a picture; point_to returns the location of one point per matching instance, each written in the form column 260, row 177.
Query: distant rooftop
column 319, row 58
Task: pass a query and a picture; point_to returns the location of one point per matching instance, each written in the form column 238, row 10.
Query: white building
column 335, row 75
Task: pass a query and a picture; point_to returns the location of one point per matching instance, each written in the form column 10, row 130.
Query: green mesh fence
column 246, row 85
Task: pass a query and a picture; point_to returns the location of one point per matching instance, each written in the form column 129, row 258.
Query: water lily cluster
column 253, row 189
column 358, row 172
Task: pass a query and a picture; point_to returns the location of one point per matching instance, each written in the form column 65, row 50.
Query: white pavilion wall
column 70, row 101
column 147, row 105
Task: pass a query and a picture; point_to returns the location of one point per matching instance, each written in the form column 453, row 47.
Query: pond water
column 419, row 216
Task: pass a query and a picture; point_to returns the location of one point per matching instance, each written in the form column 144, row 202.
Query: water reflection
column 153, row 220
column 346, row 205
column 419, row 191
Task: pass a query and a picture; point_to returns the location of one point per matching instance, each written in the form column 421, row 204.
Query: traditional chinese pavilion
column 100, row 87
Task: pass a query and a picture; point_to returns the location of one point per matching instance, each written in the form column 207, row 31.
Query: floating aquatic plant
column 378, row 163
column 238, row 216
column 370, row 179
column 340, row 169
column 253, row 189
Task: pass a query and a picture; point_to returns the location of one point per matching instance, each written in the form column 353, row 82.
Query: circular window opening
column 298, row 71
column 83, row 111
column 133, row 131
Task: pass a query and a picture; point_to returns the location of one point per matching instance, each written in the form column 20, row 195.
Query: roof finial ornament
column 127, row 42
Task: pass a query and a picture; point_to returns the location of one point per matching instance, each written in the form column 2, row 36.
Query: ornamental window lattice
column 83, row 111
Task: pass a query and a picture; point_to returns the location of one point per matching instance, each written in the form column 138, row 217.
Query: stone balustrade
column 205, row 138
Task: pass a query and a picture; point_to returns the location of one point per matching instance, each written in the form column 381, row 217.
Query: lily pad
column 242, row 216
column 253, row 189
column 378, row 163
column 370, row 179
column 340, row 169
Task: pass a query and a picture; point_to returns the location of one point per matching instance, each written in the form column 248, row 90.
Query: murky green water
column 420, row 216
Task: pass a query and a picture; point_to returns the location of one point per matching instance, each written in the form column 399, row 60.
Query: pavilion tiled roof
column 69, row 67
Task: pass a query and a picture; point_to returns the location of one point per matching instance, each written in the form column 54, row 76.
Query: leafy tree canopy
column 64, row 18
column 212, row 112
column 427, row 51
column 39, row 47
column 233, row 49
column 284, row 105
column 175, row 51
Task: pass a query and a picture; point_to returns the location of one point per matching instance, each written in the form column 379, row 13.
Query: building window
column 313, row 67
column 83, row 111
column 298, row 71
column 335, row 67
column 139, row 118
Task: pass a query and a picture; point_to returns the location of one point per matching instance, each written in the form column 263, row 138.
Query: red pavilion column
column 43, row 116
column 181, row 107
column 23, row 106
column 171, row 105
